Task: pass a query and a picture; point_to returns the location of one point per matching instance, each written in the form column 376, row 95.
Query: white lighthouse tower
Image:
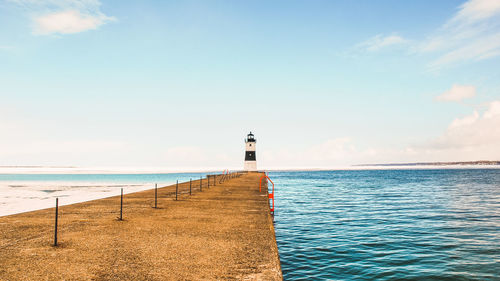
column 250, row 159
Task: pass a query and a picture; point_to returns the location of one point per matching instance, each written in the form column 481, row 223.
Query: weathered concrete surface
column 224, row 232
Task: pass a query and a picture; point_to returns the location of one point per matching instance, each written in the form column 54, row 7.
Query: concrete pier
column 221, row 232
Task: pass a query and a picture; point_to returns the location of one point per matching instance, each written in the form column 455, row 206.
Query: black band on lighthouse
column 250, row 156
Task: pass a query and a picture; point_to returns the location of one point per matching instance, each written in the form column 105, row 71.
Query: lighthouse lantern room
column 250, row 158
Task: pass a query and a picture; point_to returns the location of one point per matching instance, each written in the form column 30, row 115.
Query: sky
column 179, row 84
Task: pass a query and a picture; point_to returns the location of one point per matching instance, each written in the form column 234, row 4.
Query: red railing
column 270, row 195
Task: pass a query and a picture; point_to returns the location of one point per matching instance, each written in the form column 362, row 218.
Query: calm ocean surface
column 389, row 224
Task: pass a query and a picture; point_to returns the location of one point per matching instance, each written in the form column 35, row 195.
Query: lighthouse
column 250, row 159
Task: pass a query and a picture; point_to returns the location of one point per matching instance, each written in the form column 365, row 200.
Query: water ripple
column 389, row 225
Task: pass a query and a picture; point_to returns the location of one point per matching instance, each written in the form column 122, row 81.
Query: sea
column 395, row 224
column 434, row 224
column 28, row 192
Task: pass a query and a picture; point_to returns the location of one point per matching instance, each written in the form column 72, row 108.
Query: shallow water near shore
column 389, row 224
column 28, row 192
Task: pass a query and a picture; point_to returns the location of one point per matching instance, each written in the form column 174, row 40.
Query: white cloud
column 493, row 110
column 472, row 137
column 67, row 22
column 472, row 34
column 475, row 10
column 379, row 41
column 474, row 50
column 457, row 93
column 465, row 121
column 64, row 16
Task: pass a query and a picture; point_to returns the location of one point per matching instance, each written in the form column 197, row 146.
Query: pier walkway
column 224, row 232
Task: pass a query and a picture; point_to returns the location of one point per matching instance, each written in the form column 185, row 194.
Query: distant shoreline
column 68, row 170
column 462, row 163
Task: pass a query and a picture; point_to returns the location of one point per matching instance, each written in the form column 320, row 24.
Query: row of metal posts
column 156, row 197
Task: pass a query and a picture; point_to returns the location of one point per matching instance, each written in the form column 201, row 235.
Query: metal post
column 156, row 195
column 190, row 180
column 215, row 179
column 176, row 189
column 201, row 179
column 55, row 230
column 208, row 181
column 121, row 205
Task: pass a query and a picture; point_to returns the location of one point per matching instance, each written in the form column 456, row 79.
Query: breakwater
column 196, row 232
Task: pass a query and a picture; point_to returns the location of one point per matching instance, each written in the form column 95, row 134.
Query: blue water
column 389, row 224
